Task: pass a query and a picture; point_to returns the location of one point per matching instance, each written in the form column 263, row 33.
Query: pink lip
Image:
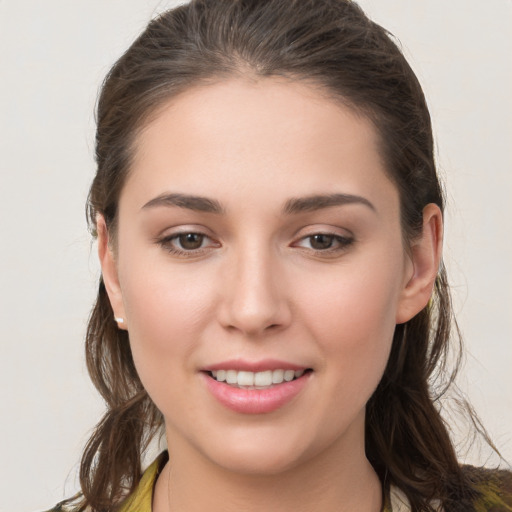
column 255, row 401
column 253, row 366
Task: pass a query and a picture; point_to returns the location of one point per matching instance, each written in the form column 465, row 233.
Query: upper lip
column 253, row 366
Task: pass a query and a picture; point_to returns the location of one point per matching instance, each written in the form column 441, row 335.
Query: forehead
column 268, row 137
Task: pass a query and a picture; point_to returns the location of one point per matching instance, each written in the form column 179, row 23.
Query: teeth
column 289, row 375
column 245, row 379
column 277, row 376
column 256, row 380
column 263, row 378
column 232, row 377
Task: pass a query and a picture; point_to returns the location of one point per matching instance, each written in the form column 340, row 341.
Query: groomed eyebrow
column 196, row 203
column 320, row 201
column 292, row 206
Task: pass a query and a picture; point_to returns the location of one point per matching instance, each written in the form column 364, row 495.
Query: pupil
column 191, row 241
column 321, row 241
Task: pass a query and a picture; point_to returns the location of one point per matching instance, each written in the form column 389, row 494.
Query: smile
column 255, row 392
column 255, row 380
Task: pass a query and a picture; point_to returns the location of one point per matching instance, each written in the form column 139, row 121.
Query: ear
column 425, row 254
column 109, row 272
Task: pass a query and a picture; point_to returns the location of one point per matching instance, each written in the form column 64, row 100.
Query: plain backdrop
column 54, row 55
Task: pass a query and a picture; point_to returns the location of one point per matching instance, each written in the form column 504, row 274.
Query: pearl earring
column 119, row 320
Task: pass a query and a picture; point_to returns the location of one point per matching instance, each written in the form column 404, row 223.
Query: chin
column 266, row 451
column 255, row 461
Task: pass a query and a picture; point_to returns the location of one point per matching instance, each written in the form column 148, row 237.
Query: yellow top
column 141, row 500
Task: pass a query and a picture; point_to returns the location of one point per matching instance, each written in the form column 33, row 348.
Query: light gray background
column 53, row 56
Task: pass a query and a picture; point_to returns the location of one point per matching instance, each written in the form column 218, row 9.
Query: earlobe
column 426, row 254
column 109, row 272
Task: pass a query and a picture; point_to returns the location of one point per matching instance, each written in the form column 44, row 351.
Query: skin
column 259, row 287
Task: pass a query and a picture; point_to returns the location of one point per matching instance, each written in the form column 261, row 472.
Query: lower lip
column 255, row 401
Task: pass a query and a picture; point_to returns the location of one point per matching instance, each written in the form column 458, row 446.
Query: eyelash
column 168, row 243
column 342, row 242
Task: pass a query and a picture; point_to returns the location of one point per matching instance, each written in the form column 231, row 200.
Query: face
column 259, row 241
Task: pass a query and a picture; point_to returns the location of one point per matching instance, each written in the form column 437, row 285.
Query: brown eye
column 321, row 241
column 327, row 244
column 188, row 244
column 190, row 241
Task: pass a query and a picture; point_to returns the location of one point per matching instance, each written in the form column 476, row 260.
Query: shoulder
column 492, row 493
column 494, row 487
column 138, row 501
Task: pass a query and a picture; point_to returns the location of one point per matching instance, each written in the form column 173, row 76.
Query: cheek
column 166, row 312
column 352, row 318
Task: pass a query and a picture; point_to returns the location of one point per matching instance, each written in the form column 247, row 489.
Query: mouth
column 260, row 380
column 260, row 387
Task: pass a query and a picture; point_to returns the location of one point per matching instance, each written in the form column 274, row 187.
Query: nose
column 254, row 295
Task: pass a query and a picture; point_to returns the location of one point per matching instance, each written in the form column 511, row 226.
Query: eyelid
column 180, row 229
column 166, row 241
column 322, row 229
column 343, row 239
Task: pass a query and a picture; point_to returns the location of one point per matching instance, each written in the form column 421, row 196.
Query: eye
column 190, row 241
column 187, row 243
column 325, row 242
column 321, row 241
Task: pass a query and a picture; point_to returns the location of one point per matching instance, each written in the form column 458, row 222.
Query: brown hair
column 330, row 43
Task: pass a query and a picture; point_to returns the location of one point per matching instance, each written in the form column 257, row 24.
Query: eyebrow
column 320, row 201
column 291, row 207
column 196, row 203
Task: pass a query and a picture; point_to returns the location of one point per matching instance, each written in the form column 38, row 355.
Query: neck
column 340, row 479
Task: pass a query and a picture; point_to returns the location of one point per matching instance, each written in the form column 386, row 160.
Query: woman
column 269, row 224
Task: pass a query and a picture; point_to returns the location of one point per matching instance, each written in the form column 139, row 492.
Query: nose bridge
column 254, row 300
